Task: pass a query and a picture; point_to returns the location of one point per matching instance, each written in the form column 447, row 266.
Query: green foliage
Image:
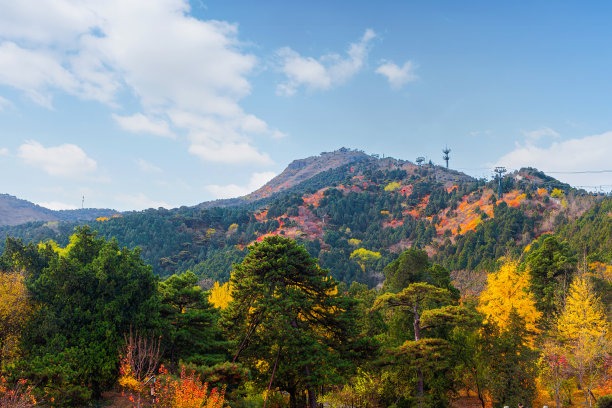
column 550, row 264
column 592, row 232
column 286, row 318
column 504, row 235
column 512, row 367
column 87, row 299
column 191, row 333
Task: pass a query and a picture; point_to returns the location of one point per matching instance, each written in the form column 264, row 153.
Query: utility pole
column 446, row 151
column 500, row 171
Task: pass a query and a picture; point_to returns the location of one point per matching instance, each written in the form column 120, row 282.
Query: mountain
column 356, row 213
column 296, row 172
column 14, row 211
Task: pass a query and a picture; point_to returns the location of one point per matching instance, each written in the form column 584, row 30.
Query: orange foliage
column 451, row 188
column 261, row 216
column 18, row 395
column 542, row 192
column 102, row 219
column 188, row 391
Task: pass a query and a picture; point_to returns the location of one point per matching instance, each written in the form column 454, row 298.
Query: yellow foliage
column 392, row 186
column 15, row 309
column 220, row 295
column 583, row 314
column 102, row 219
column 232, row 228
column 507, row 289
column 384, row 212
column 557, row 193
column 354, row 241
column 364, row 256
column 210, row 232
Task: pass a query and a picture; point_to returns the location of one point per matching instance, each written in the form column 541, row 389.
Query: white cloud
column 573, row 155
column 277, row 134
column 33, row 72
column 139, row 201
column 66, row 160
column 233, row 190
column 3, row 151
column 233, row 153
column 140, row 123
column 4, row 103
column 325, row 72
column 153, row 49
column 56, row 205
column 398, row 76
column 147, row 167
column 540, row 133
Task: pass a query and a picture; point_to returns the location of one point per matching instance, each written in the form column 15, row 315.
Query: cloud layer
column 66, row 160
column 396, row 75
column 590, row 153
column 172, row 62
column 325, row 72
column 233, row 190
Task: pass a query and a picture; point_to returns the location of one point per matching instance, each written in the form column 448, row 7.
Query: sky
column 162, row 103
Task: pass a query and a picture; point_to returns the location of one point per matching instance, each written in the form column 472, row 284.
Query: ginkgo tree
column 507, row 291
column 15, row 309
column 585, row 334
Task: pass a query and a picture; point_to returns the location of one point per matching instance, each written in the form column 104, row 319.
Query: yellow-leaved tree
column 220, row 295
column 585, row 334
column 15, row 310
column 508, row 289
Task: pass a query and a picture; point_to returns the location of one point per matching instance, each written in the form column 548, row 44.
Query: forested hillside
column 374, row 283
column 357, row 217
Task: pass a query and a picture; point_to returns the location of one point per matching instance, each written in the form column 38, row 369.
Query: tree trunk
column 293, row 399
column 271, row 378
column 417, row 337
column 312, row 400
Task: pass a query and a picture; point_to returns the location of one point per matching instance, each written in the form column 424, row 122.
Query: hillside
column 354, row 216
column 14, row 211
column 296, row 172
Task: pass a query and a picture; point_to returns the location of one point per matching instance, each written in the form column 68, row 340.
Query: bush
column 604, row 402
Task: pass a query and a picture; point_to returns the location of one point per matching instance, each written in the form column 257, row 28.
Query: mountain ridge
column 15, row 211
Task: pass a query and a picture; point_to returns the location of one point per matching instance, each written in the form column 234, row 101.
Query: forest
column 89, row 320
column 374, row 284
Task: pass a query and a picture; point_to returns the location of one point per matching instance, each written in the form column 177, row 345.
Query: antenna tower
column 420, row 160
column 83, row 202
column 446, row 151
column 500, row 171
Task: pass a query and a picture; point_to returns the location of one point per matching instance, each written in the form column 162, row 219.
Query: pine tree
column 286, row 319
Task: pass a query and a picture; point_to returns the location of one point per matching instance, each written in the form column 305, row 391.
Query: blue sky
column 165, row 103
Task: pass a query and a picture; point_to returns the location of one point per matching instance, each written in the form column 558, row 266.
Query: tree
column 15, row 310
column 511, row 362
column 191, row 331
column 507, row 292
column 87, row 297
column 585, row 333
column 220, row 295
column 431, row 307
column 550, row 264
column 286, row 319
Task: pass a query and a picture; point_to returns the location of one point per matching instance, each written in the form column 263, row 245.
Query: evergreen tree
column 88, row 295
column 286, row 319
column 191, row 334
